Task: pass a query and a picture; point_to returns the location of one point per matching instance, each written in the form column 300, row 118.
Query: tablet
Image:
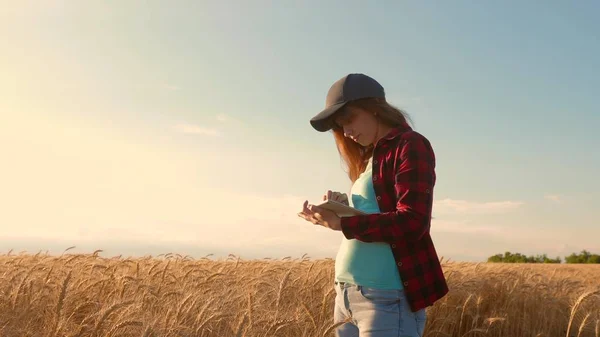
column 340, row 209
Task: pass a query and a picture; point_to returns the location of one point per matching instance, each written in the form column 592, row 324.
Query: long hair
column 354, row 155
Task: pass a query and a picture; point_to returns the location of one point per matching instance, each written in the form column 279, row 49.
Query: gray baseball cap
column 348, row 88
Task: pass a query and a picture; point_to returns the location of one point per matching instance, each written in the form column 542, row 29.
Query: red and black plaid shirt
column 403, row 179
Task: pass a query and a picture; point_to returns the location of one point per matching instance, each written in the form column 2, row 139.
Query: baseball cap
column 348, row 88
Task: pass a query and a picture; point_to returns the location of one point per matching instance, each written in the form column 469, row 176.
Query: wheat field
column 174, row 295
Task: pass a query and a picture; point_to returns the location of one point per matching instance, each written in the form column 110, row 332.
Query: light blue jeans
column 375, row 313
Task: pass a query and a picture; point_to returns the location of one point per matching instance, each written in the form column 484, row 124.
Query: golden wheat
column 173, row 295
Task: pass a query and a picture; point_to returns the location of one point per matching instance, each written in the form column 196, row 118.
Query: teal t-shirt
column 369, row 264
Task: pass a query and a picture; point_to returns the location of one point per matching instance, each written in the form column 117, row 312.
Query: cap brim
column 322, row 122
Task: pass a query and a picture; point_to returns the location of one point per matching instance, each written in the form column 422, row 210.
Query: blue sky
column 182, row 125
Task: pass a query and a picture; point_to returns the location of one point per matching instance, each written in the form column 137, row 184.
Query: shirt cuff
column 346, row 225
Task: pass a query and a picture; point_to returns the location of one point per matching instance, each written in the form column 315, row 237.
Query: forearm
column 400, row 225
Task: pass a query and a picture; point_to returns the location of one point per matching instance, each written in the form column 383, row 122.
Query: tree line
column 583, row 257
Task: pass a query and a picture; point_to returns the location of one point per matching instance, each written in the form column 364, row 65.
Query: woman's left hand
column 320, row 216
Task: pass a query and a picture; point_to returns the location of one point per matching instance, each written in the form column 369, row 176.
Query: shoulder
column 411, row 140
column 412, row 146
column 412, row 136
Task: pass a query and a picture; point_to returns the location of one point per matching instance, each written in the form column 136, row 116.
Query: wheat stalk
column 107, row 313
column 272, row 297
column 576, row 305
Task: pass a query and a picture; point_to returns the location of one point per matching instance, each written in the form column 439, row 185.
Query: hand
column 320, row 216
column 336, row 196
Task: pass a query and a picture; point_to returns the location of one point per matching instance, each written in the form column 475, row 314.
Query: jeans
column 375, row 312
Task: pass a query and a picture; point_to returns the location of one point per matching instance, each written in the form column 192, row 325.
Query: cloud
column 463, row 227
column 194, row 129
column 554, row 197
column 224, row 118
column 453, row 206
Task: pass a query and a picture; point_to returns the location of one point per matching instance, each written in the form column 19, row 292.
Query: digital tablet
column 340, row 209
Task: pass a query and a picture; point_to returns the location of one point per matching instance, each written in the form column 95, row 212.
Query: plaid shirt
column 403, row 179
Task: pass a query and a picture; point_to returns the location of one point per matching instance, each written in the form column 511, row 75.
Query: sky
column 147, row 127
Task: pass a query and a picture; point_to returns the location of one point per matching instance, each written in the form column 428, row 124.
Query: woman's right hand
column 336, row 196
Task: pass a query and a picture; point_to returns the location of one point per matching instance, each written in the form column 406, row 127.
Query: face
column 359, row 125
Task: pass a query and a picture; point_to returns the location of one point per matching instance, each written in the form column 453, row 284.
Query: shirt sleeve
column 414, row 179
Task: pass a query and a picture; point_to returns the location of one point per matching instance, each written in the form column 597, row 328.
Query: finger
column 306, row 217
column 305, row 208
column 320, row 220
column 318, row 216
column 313, row 209
column 329, row 194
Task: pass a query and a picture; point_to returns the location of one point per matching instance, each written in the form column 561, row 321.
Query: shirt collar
column 397, row 131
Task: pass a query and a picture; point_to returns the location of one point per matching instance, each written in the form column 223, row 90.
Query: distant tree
column 573, row 258
column 509, row 257
column 549, row 260
column 583, row 257
column 595, row 258
column 495, row 258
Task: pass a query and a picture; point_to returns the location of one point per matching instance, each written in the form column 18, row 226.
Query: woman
column 387, row 270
